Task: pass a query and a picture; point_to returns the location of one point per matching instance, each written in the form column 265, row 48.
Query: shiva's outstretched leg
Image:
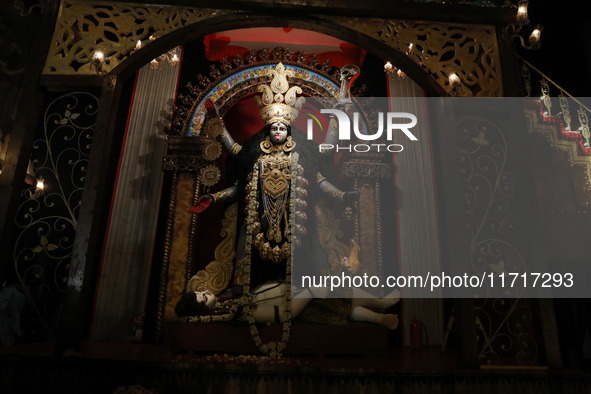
column 360, row 313
column 363, row 300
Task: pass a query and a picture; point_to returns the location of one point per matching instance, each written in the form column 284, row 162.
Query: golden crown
column 278, row 102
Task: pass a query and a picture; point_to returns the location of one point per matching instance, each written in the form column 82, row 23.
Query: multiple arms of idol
column 232, row 148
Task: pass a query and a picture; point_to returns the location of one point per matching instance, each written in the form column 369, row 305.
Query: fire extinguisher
column 416, row 326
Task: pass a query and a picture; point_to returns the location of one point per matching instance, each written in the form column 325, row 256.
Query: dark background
column 565, row 53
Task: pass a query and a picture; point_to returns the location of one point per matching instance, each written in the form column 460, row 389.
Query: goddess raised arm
column 215, row 126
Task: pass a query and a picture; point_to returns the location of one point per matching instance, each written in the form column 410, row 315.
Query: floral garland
column 230, row 312
column 273, row 348
column 239, row 359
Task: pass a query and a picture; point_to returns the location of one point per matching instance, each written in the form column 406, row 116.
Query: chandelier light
column 515, row 30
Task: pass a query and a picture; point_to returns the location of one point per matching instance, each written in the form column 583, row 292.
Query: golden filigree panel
column 83, row 26
column 217, row 274
column 368, row 233
column 178, row 249
column 470, row 51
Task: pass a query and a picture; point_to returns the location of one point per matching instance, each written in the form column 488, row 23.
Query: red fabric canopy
column 232, row 42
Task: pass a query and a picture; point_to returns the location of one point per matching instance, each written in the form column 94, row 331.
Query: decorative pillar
column 416, row 209
column 127, row 257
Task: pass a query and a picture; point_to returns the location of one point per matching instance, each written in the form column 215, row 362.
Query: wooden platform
column 109, row 367
column 355, row 338
column 116, row 367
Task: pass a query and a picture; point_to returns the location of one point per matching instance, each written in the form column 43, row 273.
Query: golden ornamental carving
column 210, row 175
column 225, row 250
column 214, row 127
column 212, row 151
column 275, row 175
column 217, row 274
column 330, row 235
column 278, row 102
column 470, row 51
column 82, row 27
column 186, row 106
column 215, row 278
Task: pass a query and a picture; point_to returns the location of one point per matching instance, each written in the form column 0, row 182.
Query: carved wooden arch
column 177, row 25
column 194, row 94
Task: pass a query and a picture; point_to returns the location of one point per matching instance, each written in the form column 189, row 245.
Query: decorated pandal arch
column 429, row 52
column 438, row 50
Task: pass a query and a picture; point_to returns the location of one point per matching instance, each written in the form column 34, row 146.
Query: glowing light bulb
column 454, row 80
column 534, row 37
column 98, row 55
column 522, row 12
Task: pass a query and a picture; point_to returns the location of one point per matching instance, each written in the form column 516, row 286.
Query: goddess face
column 205, row 297
column 278, row 132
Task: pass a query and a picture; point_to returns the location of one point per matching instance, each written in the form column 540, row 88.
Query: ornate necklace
column 268, row 147
column 275, row 179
